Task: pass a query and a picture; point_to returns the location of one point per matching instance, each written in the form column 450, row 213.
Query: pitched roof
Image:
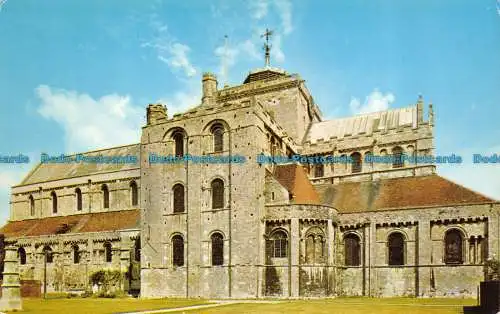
column 94, row 222
column 398, row 193
column 55, row 171
column 263, row 74
column 362, row 124
column 294, row 179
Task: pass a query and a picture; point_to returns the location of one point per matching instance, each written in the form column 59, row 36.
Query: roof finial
column 431, row 114
column 420, row 98
column 224, row 62
column 267, row 46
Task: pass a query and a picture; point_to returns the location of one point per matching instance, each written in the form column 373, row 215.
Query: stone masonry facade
column 250, row 229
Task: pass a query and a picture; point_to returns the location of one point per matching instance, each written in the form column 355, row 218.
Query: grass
column 349, row 306
column 338, row 306
column 101, row 305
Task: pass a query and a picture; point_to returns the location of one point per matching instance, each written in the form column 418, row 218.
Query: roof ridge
column 104, row 149
column 467, row 188
column 367, row 114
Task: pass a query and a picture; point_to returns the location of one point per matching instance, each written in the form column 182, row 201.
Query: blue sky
column 77, row 75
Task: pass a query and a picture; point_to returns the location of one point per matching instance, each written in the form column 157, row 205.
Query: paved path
column 216, row 303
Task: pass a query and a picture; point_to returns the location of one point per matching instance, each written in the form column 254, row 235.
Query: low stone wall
column 29, row 289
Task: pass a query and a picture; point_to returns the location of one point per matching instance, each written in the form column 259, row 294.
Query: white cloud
column 376, row 101
column 179, row 59
column 276, row 52
column 498, row 7
column 285, row 12
column 9, row 177
column 259, row 9
column 227, row 56
column 182, row 101
column 2, row 3
column 249, row 47
column 169, row 50
column 91, row 123
column 483, row 178
column 12, row 174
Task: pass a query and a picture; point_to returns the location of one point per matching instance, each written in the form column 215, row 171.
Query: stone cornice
column 249, row 91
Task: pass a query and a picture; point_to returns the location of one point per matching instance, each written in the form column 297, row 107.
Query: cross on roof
column 267, row 46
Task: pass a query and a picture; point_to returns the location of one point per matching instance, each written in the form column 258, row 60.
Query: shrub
column 492, row 269
column 106, row 280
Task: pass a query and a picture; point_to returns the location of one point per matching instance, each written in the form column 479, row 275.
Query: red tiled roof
column 294, row 179
column 408, row 192
column 94, row 222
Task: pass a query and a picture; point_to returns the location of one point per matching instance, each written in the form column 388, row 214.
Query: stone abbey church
column 246, row 230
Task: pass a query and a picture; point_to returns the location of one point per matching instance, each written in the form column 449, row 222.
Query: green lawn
column 337, row 306
column 101, row 305
column 349, row 306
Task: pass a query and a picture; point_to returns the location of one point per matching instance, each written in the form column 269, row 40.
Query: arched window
column 105, row 196
column 396, row 245
column 356, row 162
column 178, row 250
column 314, row 249
column 310, row 249
column 314, row 246
column 319, row 249
column 369, row 159
column 134, row 194
column 218, row 134
column 53, row 196
column 178, row 138
column 217, row 249
column 178, row 191
column 397, row 155
column 411, row 152
column 273, row 146
column 319, row 170
column 352, row 250
column 21, row 254
column 48, row 254
column 278, row 244
column 108, row 252
column 345, row 160
column 472, row 250
column 78, row 194
column 453, row 240
column 482, row 249
column 137, row 249
column 76, row 254
column 217, row 193
column 32, row 205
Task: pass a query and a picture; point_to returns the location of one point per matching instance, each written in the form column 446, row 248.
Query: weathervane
column 267, row 46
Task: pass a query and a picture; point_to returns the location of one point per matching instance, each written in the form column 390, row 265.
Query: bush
column 492, row 269
column 106, row 280
column 71, row 295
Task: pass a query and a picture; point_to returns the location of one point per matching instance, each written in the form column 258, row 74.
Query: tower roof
column 266, row 73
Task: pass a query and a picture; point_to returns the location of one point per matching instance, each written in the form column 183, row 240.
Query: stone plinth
column 11, row 287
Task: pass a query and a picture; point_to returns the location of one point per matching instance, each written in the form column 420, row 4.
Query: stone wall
column 118, row 184
column 425, row 271
column 63, row 274
column 29, row 288
column 237, row 221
